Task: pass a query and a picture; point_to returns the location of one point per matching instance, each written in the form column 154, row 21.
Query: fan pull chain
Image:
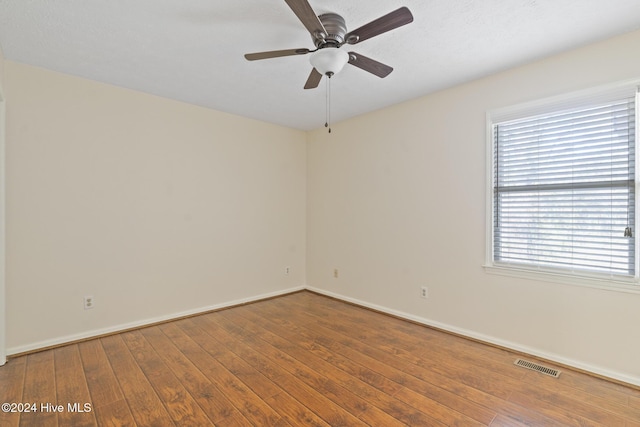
column 327, row 123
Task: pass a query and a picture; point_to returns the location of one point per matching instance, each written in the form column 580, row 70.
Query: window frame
column 549, row 274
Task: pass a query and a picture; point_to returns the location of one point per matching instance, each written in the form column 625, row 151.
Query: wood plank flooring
column 298, row 360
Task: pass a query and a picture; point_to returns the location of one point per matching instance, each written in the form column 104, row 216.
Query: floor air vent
column 535, row 367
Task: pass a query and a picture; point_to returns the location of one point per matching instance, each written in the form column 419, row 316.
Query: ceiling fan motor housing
column 336, row 29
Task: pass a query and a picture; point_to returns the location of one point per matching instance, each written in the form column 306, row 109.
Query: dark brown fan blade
column 307, row 16
column 370, row 65
column 388, row 22
column 314, row 79
column 275, row 54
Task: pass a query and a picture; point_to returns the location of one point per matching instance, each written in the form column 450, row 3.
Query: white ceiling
column 192, row 50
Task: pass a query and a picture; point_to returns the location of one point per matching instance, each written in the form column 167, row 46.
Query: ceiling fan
column 329, row 33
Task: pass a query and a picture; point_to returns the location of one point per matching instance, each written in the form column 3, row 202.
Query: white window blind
column 564, row 188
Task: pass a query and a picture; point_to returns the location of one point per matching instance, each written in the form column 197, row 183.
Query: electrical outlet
column 335, row 273
column 424, row 292
column 287, row 270
column 88, row 302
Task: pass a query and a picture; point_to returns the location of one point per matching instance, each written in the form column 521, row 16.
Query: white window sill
column 608, row 283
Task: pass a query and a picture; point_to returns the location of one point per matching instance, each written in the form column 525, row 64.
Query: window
column 563, row 186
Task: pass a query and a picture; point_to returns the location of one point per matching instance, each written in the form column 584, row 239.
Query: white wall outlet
column 335, row 273
column 287, row 270
column 88, row 302
column 424, row 292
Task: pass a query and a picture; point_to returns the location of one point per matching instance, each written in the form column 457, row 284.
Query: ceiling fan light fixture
column 329, row 60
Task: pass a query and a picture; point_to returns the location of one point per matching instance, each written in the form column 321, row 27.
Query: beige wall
column 404, row 207
column 2, row 234
column 151, row 206
column 157, row 208
column 1, row 67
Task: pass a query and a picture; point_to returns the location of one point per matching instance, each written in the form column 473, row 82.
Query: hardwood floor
column 301, row 359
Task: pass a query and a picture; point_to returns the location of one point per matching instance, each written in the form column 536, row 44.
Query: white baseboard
column 618, row 376
column 140, row 323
